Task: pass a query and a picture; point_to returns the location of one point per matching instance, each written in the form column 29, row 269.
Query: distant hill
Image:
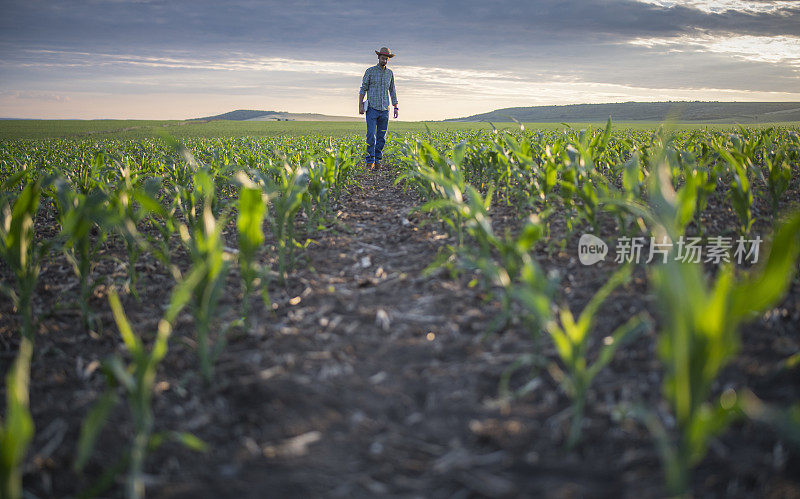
column 251, row 115
column 698, row 112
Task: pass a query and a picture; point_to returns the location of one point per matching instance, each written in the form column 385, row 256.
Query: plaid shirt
column 377, row 82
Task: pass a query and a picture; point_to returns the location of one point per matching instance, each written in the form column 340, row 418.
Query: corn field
column 264, row 316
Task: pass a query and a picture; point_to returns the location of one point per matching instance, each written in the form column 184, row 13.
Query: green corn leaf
column 619, row 337
column 148, row 202
column 115, row 368
column 189, row 441
column 686, row 200
column 152, row 186
column 564, row 344
column 632, row 176
column 574, row 332
column 132, row 342
column 19, row 237
column 711, row 420
column 531, row 233
column 459, row 152
column 12, row 181
column 92, row 426
column 252, row 210
column 17, row 430
column 9, row 291
column 762, row 289
column 588, row 314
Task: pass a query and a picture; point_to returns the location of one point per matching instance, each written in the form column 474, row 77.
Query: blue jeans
column 377, row 122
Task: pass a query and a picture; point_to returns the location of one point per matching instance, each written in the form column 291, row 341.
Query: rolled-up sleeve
column 392, row 93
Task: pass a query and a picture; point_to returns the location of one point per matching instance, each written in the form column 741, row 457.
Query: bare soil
column 368, row 379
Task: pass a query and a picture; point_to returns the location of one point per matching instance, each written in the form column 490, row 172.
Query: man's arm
column 393, row 95
column 363, row 91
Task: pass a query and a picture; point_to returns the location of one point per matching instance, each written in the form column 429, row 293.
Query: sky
column 143, row 59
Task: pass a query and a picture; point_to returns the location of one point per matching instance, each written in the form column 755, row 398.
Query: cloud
column 25, row 95
column 237, row 62
column 329, row 28
column 510, row 52
column 721, row 6
column 771, row 49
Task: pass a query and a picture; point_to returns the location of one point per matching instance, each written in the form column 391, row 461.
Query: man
column 378, row 81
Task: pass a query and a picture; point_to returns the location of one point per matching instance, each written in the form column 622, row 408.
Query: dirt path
column 367, row 384
column 376, row 382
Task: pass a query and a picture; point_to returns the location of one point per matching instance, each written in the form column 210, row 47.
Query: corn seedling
column 16, row 431
column 740, row 191
column 129, row 205
column 252, row 210
column 506, row 264
column 83, row 220
column 137, row 380
column 286, row 193
column 204, row 241
column 18, row 246
column 699, row 338
column 571, row 339
column 442, row 182
column 779, row 175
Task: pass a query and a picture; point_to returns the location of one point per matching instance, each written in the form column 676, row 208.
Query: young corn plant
column 205, row 244
column 581, row 190
column 316, row 199
column 286, row 193
column 705, row 183
column 17, row 430
column 19, row 247
column 162, row 217
column 441, row 180
column 740, row 192
column 252, row 209
column 571, row 339
column 550, row 166
column 699, row 338
column 506, row 265
column 668, row 211
column 513, row 166
column 131, row 201
column 83, row 219
column 339, row 168
column 582, row 177
column 523, row 283
column 85, row 175
column 779, row 175
column 633, row 176
column 501, row 261
column 741, row 196
column 137, row 380
column 328, row 174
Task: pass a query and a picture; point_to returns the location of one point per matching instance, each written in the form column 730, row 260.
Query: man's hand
column 360, row 108
column 395, row 113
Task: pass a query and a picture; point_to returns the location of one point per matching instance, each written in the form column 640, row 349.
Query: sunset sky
column 142, row 59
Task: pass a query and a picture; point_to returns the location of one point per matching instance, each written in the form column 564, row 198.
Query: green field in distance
column 136, row 129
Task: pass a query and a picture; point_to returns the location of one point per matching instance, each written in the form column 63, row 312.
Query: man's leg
column 383, row 124
column 371, row 129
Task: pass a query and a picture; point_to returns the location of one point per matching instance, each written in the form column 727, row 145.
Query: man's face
column 382, row 59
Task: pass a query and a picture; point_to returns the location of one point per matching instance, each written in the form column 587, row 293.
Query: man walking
column 378, row 82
